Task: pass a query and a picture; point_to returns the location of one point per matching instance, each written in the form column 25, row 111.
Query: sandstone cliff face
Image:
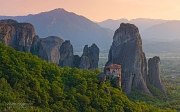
column 90, row 57
column 17, row 35
column 126, row 50
column 48, row 48
column 66, row 54
column 154, row 73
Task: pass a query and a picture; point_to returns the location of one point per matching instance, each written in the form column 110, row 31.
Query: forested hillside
column 28, row 83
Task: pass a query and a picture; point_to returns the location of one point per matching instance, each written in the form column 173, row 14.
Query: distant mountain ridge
column 69, row 26
column 163, row 32
column 142, row 23
column 156, row 33
column 81, row 31
column 151, row 29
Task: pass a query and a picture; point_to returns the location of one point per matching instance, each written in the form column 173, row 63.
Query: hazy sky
column 97, row 10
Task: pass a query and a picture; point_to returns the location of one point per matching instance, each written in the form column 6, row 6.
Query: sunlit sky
column 97, row 10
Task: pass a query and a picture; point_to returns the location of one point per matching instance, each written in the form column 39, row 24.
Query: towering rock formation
column 17, row 35
column 126, row 50
column 90, row 57
column 154, row 73
column 55, row 50
column 66, row 54
column 21, row 36
column 48, row 48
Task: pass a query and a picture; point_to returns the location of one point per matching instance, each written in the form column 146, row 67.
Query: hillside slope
column 28, row 83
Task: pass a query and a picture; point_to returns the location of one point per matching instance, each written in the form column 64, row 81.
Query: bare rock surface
column 48, row 48
column 17, row 35
column 66, row 54
column 90, row 57
column 127, row 51
column 154, row 73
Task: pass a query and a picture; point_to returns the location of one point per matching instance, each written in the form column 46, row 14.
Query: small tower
column 113, row 73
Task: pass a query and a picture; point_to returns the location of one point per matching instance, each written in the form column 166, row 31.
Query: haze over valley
column 159, row 36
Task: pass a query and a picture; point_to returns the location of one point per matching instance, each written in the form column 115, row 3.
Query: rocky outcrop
column 17, row 35
column 154, row 73
column 66, row 54
column 127, row 51
column 90, row 57
column 55, row 50
column 21, row 36
column 48, row 48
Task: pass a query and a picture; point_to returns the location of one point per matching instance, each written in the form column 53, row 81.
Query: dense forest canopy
column 28, row 83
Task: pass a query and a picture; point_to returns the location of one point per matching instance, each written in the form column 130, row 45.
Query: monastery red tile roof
column 113, row 66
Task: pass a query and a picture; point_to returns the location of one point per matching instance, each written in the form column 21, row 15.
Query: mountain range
column 156, row 33
column 68, row 26
column 142, row 23
column 151, row 29
column 159, row 36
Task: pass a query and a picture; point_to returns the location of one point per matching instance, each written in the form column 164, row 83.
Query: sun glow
column 98, row 10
